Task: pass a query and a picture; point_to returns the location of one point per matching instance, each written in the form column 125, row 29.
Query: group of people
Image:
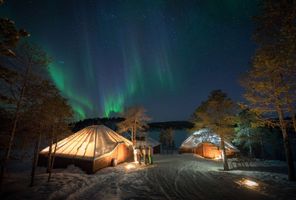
column 144, row 154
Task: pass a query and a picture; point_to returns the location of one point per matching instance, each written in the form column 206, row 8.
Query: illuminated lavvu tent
column 91, row 149
column 207, row 144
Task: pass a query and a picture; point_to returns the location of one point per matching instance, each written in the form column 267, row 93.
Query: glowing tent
column 207, row 144
column 91, row 149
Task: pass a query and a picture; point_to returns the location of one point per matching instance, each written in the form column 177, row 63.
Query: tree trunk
column 224, row 156
column 15, row 120
column 132, row 136
column 250, row 145
column 289, row 158
column 288, row 150
column 23, row 149
column 49, row 153
column 262, row 148
column 167, row 149
column 52, row 159
column 35, row 159
column 250, row 150
column 135, row 132
column 291, row 110
column 294, row 121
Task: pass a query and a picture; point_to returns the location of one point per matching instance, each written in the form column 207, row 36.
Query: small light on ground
column 218, row 157
column 130, row 166
column 248, row 183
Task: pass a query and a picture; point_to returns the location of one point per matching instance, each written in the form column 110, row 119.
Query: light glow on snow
column 218, row 157
column 248, row 183
column 130, row 166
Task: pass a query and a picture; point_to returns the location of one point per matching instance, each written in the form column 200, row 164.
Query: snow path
column 171, row 177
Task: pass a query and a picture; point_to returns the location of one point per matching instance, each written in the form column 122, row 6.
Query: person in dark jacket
column 147, row 159
column 144, row 154
column 139, row 154
column 150, row 150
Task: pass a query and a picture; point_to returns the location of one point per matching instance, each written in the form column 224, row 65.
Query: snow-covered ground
column 174, row 176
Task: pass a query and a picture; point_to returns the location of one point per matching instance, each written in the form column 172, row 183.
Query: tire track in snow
column 171, row 177
column 155, row 181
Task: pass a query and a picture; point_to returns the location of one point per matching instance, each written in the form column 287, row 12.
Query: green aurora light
column 108, row 56
column 78, row 102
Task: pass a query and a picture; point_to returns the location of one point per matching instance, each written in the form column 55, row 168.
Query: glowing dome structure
column 91, row 149
column 207, row 144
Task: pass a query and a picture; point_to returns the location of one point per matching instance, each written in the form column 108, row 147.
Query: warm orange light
column 219, row 157
column 130, row 166
column 248, row 183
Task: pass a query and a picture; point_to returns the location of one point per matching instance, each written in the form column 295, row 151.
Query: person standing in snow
column 147, row 155
column 150, row 150
column 135, row 154
column 139, row 154
column 144, row 154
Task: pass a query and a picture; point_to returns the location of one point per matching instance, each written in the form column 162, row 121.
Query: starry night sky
column 164, row 55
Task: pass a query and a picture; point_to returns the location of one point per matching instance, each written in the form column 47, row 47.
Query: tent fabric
column 147, row 142
column 143, row 140
column 89, row 143
column 152, row 142
column 205, row 135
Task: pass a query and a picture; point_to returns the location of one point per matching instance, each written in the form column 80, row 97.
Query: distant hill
column 111, row 123
column 171, row 124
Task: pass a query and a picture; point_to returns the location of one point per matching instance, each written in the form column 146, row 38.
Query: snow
column 175, row 176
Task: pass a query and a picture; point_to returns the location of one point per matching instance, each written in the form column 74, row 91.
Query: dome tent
column 207, row 144
column 91, row 149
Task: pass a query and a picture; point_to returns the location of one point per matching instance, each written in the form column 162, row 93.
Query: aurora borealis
column 164, row 55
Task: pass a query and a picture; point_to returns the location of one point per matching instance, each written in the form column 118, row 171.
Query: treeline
column 32, row 109
column 112, row 123
column 263, row 142
column 109, row 122
column 270, row 85
column 176, row 125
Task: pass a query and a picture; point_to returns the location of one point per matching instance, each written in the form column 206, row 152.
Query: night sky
column 164, row 55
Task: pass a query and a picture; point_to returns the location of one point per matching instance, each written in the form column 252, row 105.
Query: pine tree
column 29, row 63
column 217, row 113
column 270, row 83
column 9, row 36
column 135, row 119
column 166, row 138
column 47, row 115
column 247, row 130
